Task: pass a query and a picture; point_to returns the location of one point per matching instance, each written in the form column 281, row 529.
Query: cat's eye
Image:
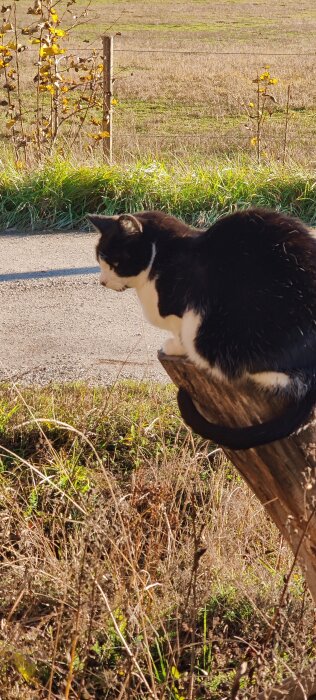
column 105, row 259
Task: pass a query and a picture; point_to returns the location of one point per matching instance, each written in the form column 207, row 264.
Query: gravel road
column 58, row 324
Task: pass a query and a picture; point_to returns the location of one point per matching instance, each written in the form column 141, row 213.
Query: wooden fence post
column 107, row 42
column 281, row 474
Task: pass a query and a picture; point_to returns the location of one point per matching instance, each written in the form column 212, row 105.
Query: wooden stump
column 281, row 474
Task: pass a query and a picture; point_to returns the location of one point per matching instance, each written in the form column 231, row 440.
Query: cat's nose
column 103, row 283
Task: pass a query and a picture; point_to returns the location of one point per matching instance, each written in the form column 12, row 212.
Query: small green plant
column 6, row 414
column 108, row 649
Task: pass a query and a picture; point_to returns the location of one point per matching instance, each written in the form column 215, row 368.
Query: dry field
column 184, row 71
column 135, row 563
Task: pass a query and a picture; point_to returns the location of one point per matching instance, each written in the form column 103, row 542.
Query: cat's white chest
column 148, row 298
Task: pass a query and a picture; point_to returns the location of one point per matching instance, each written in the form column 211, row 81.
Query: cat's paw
column 173, row 346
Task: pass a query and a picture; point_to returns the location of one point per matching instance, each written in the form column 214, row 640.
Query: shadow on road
column 40, row 274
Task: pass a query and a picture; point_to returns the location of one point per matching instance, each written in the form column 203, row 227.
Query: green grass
column 104, row 486
column 188, row 26
column 128, row 410
column 59, row 195
column 171, row 117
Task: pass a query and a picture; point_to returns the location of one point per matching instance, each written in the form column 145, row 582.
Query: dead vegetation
column 135, row 563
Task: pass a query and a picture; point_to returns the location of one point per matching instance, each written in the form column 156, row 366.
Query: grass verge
column 134, row 561
column 59, row 195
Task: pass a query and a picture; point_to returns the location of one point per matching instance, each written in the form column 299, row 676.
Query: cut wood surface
column 281, row 474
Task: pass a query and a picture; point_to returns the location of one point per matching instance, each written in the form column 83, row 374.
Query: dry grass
column 192, row 105
column 134, row 563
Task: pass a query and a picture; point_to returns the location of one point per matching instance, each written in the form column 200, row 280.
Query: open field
column 104, row 507
column 184, row 74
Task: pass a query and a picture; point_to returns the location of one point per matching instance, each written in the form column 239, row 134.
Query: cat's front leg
column 173, row 346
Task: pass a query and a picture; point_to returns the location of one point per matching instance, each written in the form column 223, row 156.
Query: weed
column 262, row 107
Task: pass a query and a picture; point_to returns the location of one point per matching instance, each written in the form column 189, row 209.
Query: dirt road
column 58, row 324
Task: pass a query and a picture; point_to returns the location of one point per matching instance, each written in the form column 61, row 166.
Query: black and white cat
column 238, row 298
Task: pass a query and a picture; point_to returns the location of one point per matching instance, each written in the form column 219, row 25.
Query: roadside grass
column 60, row 194
column 134, row 560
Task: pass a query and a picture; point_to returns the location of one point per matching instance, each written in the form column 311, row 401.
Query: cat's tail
column 295, row 416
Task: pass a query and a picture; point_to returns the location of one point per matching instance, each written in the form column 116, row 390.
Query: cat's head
column 123, row 251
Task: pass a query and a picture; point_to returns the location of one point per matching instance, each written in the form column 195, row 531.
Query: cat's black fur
column 252, row 278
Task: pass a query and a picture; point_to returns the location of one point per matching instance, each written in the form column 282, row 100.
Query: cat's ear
column 100, row 222
column 130, row 224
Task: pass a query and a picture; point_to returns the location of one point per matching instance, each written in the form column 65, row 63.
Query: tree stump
column 281, row 474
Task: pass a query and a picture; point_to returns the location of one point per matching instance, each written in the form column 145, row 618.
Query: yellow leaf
column 47, row 88
column 7, row 27
column 57, row 32
column 10, row 123
column 254, row 141
column 24, row 665
column 113, row 101
column 34, row 41
column 57, row 50
column 264, row 76
column 53, row 50
column 19, row 164
column 273, row 81
column 100, row 135
column 251, row 104
column 64, row 88
column 54, row 15
column 12, row 45
column 175, row 673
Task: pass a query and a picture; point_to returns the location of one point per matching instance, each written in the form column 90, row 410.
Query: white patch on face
column 110, row 279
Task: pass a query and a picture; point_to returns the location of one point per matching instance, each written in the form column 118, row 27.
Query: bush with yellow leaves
column 67, row 87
